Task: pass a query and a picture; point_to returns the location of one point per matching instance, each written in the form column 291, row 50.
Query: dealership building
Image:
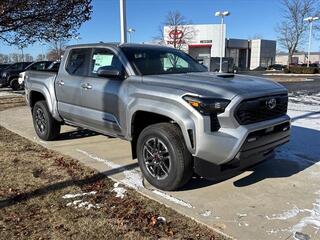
column 204, row 41
column 298, row 58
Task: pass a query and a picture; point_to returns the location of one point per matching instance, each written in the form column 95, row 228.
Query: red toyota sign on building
column 177, row 36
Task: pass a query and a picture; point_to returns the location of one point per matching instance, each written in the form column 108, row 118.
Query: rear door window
column 78, row 61
column 106, row 59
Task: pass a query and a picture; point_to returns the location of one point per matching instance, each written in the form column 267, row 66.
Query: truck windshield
column 158, row 60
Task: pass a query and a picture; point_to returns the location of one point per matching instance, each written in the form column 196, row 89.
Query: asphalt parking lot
column 278, row 199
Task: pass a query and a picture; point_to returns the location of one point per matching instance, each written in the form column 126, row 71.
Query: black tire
column 171, row 153
column 14, row 84
column 46, row 127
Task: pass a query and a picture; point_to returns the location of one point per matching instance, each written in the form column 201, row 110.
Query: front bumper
column 258, row 146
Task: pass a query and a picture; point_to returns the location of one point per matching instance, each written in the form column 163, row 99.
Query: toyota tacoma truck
column 180, row 119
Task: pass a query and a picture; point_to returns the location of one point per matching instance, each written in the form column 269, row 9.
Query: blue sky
column 248, row 18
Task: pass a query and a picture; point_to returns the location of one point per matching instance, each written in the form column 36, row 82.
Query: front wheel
column 46, row 127
column 163, row 156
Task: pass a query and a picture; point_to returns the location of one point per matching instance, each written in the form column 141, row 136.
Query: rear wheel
column 14, row 84
column 46, row 127
column 163, row 156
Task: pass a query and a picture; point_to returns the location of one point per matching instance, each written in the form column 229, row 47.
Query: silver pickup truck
column 180, row 118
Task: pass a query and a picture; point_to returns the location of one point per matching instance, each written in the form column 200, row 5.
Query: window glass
column 14, row 66
column 78, row 61
column 17, row 66
column 172, row 61
column 38, row 66
column 156, row 60
column 20, row 66
column 24, row 65
column 104, row 58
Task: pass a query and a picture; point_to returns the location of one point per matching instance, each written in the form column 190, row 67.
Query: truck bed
column 45, row 77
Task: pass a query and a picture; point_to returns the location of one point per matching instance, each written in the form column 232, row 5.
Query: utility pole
column 22, row 54
column 222, row 14
column 123, row 21
column 310, row 20
column 130, row 31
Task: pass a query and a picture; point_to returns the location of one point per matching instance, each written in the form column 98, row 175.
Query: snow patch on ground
column 285, row 215
column 82, row 204
column 68, row 196
column 276, row 231
column 313, row 219
column 120, row 191
column 172, row 199
column 132, row 178
column 241, row 215
column 303, row 149
column 305, row 97
column 206, row 213
column 243, row 224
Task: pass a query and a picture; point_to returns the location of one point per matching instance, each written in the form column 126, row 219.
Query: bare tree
column 27, row 21
column 40, row 57
column 292, row 29
column 56, row 49
column 177, row 29
column 255, row 36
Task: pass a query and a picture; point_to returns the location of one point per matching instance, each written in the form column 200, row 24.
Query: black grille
column 257, row 110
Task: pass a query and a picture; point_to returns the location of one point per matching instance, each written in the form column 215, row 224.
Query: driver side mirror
column 110, row 72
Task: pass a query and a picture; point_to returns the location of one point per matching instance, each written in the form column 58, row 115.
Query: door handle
column 60, row 83
column 86, row 86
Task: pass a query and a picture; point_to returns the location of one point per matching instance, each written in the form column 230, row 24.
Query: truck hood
column 210, row 84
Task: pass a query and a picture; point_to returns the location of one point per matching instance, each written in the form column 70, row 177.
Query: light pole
column 22, row 54
column 131, row 31
column 222, row 15
column 123, row 21
column 310, row 20
column 43, row 52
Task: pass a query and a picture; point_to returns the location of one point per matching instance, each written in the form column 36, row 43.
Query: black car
column 11, row 73
column 276, row 67
column 3, row 66
column 313, row 65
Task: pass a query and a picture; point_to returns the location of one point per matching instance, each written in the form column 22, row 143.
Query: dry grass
column 33, row 181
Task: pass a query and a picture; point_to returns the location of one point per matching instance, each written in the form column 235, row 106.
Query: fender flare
column 180, row 116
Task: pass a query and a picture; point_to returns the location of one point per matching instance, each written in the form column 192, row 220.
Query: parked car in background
column 313, row 65
column 179, row 117
column 276, row 67
column 11, row 74
column 3, row 67
column 36, row 66
column 54, row 66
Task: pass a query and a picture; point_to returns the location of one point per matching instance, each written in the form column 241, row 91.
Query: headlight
column 4, row 74
column 207, row 106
